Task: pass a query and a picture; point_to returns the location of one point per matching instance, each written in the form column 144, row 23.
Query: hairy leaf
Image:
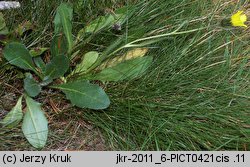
column 85, row 95
column 14, row 117
column 57, row 67
column 35, row 124
column 88, row 60
column 31, row 86
column 17, row 54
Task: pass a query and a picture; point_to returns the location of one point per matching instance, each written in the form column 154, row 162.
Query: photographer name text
column 41, row 159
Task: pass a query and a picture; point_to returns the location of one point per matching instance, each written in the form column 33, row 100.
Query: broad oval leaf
column 88, row 60
column 35, row 124
column 17, row 54
column 14, row 117
column 128, row 70
column 57, row 67
column 85, row 95
column 31, row 86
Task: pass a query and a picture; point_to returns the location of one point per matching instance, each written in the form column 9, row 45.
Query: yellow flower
column 239, row 19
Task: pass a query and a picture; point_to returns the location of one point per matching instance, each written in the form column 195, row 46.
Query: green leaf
column 17, row 54
column 100, row 23
column 128, row 70
column 63, row 19
column 57, row 23
column 37, row 51
column 39, row 63
column 85, row 95
column 57, row 20
column 35, row 124
column 97, row 25
column 58, row 45
column 46, row 81
column 57, row 67
column 31, row 86
column 88, row 60
column 14, row 117
column 104, row 22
